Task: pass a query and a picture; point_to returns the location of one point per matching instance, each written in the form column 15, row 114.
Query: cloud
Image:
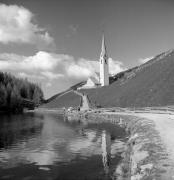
column 29, row 76
column 144, row 60
column 54, row 71
column 81, row 68
column 51, row 75
column 77, row 71
column 40, row 61
column 116, row 66
column 48, row 84
column 85, row 68
column 16, row 26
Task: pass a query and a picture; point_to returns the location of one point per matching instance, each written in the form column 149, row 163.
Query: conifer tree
column 14, row 91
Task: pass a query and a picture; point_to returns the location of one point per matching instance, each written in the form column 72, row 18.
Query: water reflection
column 106, row 150
column 47, row 142
column 17, row 128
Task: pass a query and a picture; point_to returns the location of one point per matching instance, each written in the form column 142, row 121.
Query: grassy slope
column 64, row 99
column 69, row 99
column 151, row 85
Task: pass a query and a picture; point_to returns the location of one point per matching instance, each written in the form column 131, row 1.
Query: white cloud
column 144, row 60
column 48, row 84
column 115, row 66
column 82, row 68
column 85, row 68
column 16, row 26
column 77, row 71
column 54, row 66
column 51, row 75
column 29, row 76
column 52, row 70
column 40, row 61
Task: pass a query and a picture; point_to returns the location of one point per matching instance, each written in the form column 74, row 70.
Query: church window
column 105, row 61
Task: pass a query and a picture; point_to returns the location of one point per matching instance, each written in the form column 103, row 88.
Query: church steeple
column 104, row 71
column 103, row 49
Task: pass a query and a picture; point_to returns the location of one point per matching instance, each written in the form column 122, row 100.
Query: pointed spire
column 103, row 49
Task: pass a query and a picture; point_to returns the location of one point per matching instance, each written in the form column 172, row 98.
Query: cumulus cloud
column 16, row 26
column 77, row 71
column 29, row 76
column 82, row 68
column 54, row 66
column 144, row 60
column 115, row 66
column 51, row 75
column 52, row 69
column 40, row 61
column 85, row 68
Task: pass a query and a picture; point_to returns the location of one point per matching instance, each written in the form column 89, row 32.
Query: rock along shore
column 145, row 156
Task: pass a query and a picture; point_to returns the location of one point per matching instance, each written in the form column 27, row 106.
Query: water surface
column 45, row 146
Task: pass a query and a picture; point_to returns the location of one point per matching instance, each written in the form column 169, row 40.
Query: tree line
column 14, row 91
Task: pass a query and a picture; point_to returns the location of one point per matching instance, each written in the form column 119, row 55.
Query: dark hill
column 150, row 84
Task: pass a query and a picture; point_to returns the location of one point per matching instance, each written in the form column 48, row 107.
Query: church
column 102, row 78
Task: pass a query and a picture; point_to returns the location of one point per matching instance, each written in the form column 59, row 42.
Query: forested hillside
column 16, row 93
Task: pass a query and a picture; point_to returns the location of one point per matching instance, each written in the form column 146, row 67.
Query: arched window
column 105, row 61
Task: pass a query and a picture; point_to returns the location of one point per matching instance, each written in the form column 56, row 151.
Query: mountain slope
column 64, row 99
column 150, row 84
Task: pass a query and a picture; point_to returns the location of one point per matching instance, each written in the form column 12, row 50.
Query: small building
column 92, row 82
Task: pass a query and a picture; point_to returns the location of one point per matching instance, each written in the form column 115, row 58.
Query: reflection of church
column 101, row 79
column 106, row 150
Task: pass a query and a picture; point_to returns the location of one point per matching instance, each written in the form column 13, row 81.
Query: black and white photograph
column 86, row 89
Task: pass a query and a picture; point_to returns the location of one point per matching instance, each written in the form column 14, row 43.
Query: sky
column 57, row 43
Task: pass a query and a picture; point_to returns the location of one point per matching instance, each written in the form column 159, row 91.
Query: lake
column 46, row 146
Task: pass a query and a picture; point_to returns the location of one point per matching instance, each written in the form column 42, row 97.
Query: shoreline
column 149, row 152
column 146, row 155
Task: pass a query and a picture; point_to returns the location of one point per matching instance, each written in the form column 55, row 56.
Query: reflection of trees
column 15, row 128
column 106, row 150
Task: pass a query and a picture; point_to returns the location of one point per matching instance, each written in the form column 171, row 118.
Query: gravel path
column 164, row 123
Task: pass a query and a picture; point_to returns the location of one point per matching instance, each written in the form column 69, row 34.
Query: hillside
column 67, row 99
column 150, row 84
column 17, row 94
column 64, row 99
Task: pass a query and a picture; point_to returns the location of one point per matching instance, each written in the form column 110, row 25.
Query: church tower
column 104, row 69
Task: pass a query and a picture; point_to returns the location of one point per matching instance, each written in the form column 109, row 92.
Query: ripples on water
column 44, row 146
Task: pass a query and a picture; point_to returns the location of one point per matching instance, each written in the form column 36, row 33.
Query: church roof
column 94, row 80
column 103, row 49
